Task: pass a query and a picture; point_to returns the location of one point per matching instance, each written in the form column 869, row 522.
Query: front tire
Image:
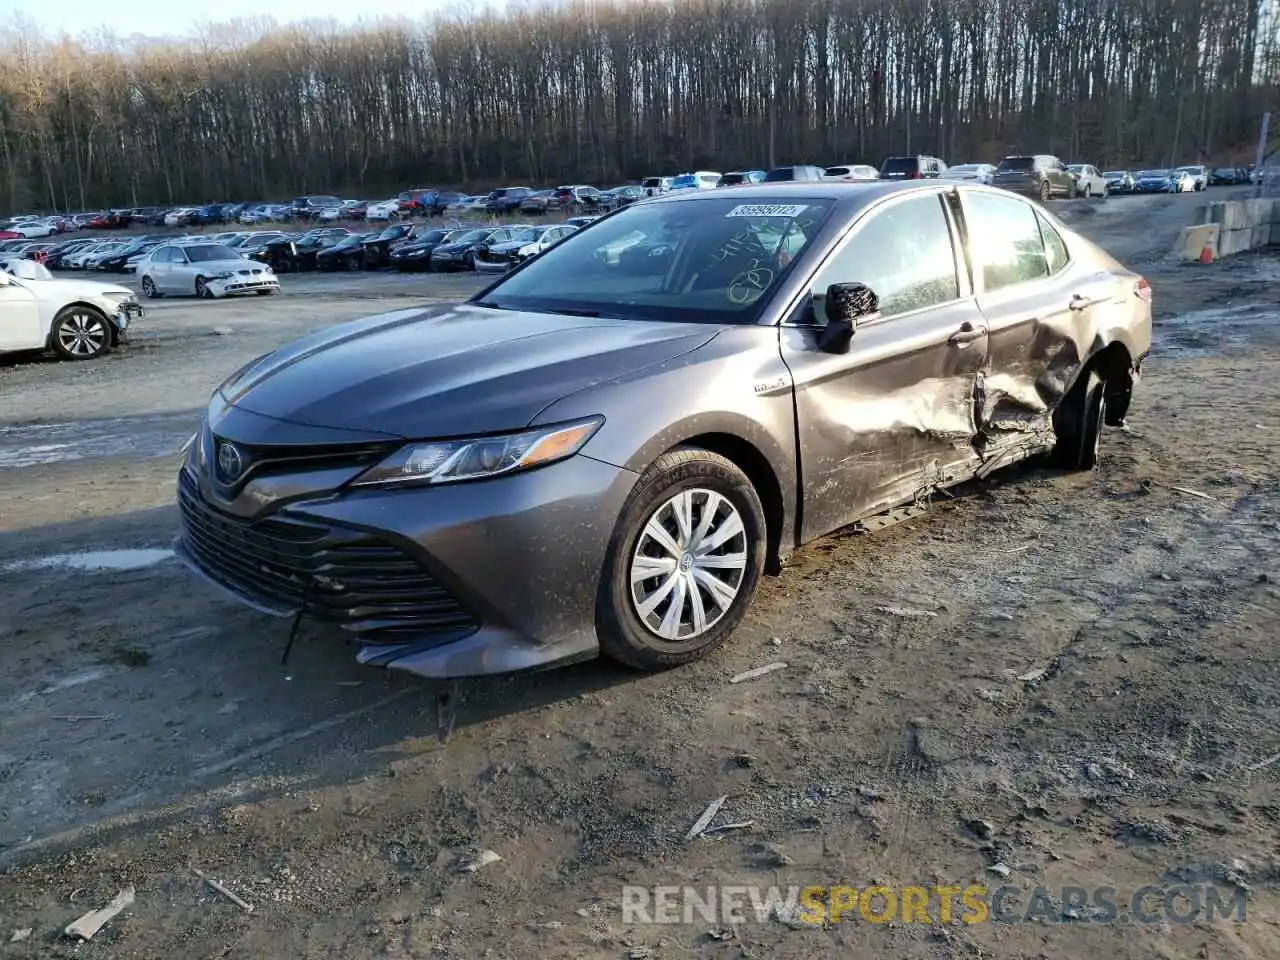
column 81, row 333
column 149, row 289
column 1078, row 423
column 202, row 289
column 684, row 561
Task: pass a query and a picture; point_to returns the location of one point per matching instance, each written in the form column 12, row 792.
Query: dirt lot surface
column 1051, row 680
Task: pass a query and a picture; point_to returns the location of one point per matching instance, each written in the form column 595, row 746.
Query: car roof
column 858, row 194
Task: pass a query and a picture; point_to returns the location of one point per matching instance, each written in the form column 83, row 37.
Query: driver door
column 895, row 416
column 20, row 324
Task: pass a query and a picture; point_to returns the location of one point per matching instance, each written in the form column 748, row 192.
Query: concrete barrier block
column 1231, row 242
column 1193, row 240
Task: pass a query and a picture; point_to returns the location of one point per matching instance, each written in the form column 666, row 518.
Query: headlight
column 225, row 275
column 448, row 461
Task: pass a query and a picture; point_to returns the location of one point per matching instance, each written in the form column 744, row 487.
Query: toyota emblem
column 230, row 463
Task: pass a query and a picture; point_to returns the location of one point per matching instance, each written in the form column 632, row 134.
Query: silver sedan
column 203, row 270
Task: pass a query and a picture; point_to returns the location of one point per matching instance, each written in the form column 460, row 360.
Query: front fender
column 732, row 392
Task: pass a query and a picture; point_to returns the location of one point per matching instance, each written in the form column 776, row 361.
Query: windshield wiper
column 570, row 312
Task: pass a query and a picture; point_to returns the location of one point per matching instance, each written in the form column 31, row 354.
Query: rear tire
column 695, row 523
column 1046, row 191
column 1078, row 423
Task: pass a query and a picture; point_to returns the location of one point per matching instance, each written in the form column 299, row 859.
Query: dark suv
column 803, row 172
column 1035, row 175
column 507, row 199
column 915, row 166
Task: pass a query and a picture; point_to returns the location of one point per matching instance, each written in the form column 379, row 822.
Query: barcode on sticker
column 768, row 210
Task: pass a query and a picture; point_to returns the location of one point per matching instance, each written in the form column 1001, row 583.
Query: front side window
column 708, row 260
column 1004, row 240
column 903, row 252
column 206, row 253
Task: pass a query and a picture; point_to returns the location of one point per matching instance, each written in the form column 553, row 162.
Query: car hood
column 509, row 246
column 414, row 246
column 74, row 289
column 450, row 370
column 456, row 247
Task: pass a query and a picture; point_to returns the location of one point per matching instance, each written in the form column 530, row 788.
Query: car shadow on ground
column 137, row 696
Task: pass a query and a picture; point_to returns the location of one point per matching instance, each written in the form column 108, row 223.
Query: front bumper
column 459, row 580
column 123, row 318
column 243, row 284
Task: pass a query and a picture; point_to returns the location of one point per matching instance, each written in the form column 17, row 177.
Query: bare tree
column 599, row 90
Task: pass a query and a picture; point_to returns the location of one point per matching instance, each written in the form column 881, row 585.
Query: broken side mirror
column 846, row 305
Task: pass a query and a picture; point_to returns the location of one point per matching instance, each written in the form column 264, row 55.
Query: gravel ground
column 1050, row 680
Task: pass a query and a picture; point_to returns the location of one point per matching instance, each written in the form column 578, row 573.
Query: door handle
column 966, row 334
column 1080, row 302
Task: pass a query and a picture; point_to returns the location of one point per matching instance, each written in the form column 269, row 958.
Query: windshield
column 1116, row 173
column 652, row 182
column 685, row 181
column 1192, row 169
column 964, row 168
column 1076, row 168
column 471, row 236
column 1017, row 163
column 1152, row 174
column 712, row 261
column 210, row 251
column 780, row 175
column 527, row 234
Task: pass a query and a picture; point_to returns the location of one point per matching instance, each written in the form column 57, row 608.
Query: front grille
column 347, row 577
column 267, row 459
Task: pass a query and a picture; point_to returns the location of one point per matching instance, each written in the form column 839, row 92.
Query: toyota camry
column 605, row 449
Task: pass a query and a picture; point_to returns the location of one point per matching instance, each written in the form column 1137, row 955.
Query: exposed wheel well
column 1114, row 364
column 756, row 466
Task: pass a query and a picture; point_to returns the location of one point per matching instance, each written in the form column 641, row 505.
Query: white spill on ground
column 1200, row 332
column 37, row 444
column 93, row 561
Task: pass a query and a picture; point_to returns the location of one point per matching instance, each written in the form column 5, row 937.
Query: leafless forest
column 623, row 88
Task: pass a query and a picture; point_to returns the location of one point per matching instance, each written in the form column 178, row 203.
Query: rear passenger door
column 1031, row 296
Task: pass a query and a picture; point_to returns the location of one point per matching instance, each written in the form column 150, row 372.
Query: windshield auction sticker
column 768, row 210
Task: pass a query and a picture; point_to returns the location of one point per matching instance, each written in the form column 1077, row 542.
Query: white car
column 35, row 229
column 208, row 270
column 1199, row 176
column 973, row 172
column 1089, row 180
column 382, row 210
column 175, row 217
column 77, row 319
column 851, row 172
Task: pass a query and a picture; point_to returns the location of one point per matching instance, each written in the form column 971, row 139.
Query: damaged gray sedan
column 604, row 450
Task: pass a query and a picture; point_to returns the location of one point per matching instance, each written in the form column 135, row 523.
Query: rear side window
column 903, row 252
column 1004, row 240
column 1055, row 248
column 899, row 165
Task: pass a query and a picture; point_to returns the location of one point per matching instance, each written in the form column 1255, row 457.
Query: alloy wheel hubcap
column 82, row 334
column 689, row 564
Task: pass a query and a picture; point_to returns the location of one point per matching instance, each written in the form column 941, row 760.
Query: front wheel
column 81, row 333
column 202, row 289
column 684, row 561
column 1078, row 423
column 149, row 289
